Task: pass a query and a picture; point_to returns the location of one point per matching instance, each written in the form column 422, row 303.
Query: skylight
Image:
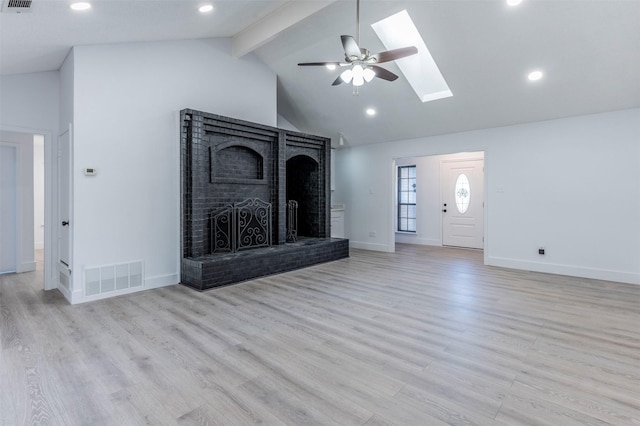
column 421, row 70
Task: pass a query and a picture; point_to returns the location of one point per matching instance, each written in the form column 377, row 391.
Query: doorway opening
column 22, row 194
column 449, row 200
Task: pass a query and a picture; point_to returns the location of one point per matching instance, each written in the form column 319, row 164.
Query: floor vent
column 112, row 278
column 16, row 6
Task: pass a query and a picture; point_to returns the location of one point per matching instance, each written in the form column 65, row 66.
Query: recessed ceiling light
column 80, row 5
column 331, row 67
column 206, row 8
column 535, row 75
column 513, row 2
column 371, row 111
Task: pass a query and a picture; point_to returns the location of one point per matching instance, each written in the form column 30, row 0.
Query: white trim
column 161, row 281
column 149, row 284
column 69, row 268
column 371, row 246
column 66, row 293
column 26, row 266
column 406, row 238
column 574, row 271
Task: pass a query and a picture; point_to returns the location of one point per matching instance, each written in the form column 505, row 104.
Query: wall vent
column 113, row 278
column 16, row 6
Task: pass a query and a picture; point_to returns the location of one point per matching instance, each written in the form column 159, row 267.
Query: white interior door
column 463, row 203
column 8, row 208
column 64, row 201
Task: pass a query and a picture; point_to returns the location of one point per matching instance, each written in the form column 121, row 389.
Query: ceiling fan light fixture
column 347, row 76
column 205, row 8
column 369, row 74
column 358, row 75
column 331, row 67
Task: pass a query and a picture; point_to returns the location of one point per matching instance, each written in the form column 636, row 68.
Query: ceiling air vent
column 16, row 6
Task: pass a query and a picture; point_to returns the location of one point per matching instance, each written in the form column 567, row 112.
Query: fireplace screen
column 241, row 226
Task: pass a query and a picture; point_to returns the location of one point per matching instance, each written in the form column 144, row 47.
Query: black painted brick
column 220, row 270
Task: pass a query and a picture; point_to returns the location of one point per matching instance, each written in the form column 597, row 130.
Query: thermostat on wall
column 90, row 171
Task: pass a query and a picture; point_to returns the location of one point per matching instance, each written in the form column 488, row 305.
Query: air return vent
column 16, row 6
column 113, row 278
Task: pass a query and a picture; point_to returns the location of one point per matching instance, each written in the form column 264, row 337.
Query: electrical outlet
column 372, row 234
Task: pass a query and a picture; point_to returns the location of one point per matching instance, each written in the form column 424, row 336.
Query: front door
column 463, row 203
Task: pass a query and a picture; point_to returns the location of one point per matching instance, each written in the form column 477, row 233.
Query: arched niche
column 304, row 186
column 237, row 162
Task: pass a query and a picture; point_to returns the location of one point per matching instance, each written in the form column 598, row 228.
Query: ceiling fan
column 363, row 64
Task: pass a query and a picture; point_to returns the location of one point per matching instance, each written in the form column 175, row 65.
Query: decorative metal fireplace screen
column 241, row 226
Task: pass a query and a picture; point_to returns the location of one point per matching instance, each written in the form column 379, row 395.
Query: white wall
column 29, row 101
column 571, row 185
column 66, row 99
column 428, row 197
column 283, row 123
column 125, row 118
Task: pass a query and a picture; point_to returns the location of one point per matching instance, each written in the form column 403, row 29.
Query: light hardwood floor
column 425, row 336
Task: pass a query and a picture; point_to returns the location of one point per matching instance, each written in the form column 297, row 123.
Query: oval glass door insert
column 462, row 193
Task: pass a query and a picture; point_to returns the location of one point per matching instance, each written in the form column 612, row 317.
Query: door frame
column 60, row 269
column 50, row 199
column 472, row 152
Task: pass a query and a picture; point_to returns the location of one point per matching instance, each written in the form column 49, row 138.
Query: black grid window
column 407, row 198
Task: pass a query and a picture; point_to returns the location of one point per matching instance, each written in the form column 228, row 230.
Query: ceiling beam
column 267, row 28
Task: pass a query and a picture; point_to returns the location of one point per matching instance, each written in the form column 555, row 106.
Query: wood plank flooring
column 425, row 336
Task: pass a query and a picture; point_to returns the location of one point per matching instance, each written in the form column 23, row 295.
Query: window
column 407, row 198
column 462, row 193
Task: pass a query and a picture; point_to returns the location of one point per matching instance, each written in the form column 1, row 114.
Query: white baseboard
column 414, row 239
column 66, row 293
column 161, row 281
column 26, row 267
column 149, row 284
column 371, row 246
column 574, row 271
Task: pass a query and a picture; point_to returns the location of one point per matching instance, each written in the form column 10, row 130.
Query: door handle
column 65, row 223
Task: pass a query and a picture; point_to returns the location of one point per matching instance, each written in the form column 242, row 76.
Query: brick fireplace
column 238, row 180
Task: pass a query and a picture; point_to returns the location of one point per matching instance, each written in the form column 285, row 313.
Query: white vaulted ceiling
column 589, row 52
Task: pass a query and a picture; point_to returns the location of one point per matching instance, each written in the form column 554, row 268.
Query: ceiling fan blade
column 351, row 48
column 392, row 55
column 338, row 81
column 383, row 73
column 319, row 64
